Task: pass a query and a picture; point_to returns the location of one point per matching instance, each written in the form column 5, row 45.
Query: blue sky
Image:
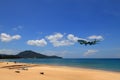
column 52, row 27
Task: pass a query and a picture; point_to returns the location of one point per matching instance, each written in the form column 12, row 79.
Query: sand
column 22, row 71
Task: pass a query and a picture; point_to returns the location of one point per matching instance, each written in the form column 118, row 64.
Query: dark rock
column 17, row 71
column 42, row 73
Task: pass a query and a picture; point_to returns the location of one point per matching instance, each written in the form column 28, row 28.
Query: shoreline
column 52, row 72
column 66, row 66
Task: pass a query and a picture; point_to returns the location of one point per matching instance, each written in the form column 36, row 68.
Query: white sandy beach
column 7, row 72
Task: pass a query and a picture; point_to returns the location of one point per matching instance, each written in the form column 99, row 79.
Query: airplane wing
column 93, row 42
column 82, row 42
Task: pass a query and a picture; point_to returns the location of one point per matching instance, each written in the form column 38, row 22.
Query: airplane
column 85, row 42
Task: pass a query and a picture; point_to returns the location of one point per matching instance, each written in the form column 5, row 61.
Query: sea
column 100, row 64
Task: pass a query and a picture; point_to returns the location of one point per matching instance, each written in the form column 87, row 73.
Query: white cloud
column 41, row 42
column 17, row 28
column 62, row 43
column 71, row 37
column 16, row 37
column 9, row 51
column 7, row 38
column 59, row 39
column 54, row 37
column 96, row 37
column 89, row 52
